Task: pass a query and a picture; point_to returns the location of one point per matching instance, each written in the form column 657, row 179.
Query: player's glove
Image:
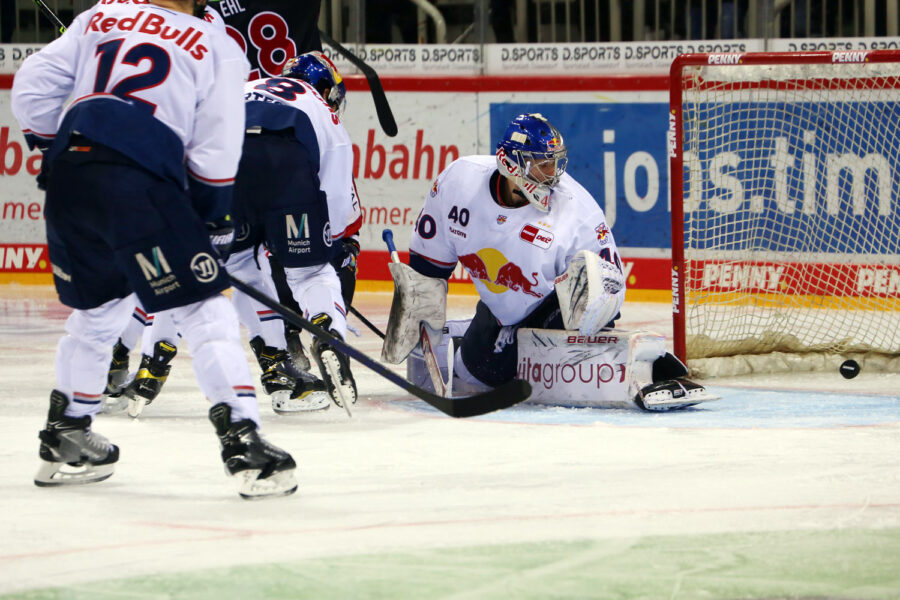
column 345, row 266
column 221, row 235
column 349, row 254
column 43, row 178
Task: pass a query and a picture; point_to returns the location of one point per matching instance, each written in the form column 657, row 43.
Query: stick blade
column 507, row 395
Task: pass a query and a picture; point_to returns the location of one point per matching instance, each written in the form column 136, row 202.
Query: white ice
column 398, row 477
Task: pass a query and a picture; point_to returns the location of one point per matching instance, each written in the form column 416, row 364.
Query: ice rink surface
column 788, row 487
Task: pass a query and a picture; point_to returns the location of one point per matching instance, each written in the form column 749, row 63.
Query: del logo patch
column 537, row 236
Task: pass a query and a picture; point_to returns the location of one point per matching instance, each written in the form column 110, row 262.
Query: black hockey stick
column 498, row 398
column 382, row 108
column 367, row 323
column 51, row 16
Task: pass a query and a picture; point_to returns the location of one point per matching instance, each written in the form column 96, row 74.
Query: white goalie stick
column 498, row 398
column 427, row 336
column 426, row 345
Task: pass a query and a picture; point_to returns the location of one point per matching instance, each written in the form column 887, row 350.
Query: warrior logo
column 204, row 267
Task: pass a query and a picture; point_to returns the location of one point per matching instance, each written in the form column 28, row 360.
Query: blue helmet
column 532, row 154
column 317, row 70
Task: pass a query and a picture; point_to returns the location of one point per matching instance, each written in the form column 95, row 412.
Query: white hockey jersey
column 162, row 87
column 513, row 255
column 281, row 103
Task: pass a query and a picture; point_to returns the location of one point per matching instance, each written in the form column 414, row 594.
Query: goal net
column 785, row 188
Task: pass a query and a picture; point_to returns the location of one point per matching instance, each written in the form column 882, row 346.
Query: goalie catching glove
column 417, row 299
column 590, row 293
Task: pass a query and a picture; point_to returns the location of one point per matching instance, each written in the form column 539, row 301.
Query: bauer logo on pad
column 537, row 236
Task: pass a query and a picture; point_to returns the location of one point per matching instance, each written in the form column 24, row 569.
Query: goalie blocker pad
column 614, row 369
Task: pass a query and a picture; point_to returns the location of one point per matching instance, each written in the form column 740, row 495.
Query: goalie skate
column 258, row 468
column 70, row 452
column 673, row 394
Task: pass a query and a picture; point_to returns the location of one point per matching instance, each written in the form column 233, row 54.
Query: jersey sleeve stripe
column 209, row 181
column 434, row 261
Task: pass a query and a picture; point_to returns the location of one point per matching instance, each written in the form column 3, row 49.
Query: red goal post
column 785, row 205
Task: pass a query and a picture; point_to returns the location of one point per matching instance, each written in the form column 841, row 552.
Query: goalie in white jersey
column 140, row 168
column 534, row 241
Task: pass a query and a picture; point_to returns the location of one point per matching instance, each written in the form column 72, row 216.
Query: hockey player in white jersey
column 535, row 243
column 138, row 109
column 292, row 388
column 295, row 193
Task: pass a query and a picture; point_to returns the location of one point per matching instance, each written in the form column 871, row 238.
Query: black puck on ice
column 849, row 369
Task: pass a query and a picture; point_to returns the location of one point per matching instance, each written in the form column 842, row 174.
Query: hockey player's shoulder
column 575, row 197
column 461, row 178
column 467, row 168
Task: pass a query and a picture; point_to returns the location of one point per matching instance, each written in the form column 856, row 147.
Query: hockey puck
column 849, row 369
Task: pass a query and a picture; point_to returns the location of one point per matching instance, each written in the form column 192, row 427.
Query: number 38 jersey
column 513, row 255
column 282, row 103
column 160, row 86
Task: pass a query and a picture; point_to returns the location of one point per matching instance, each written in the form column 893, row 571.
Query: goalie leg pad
column 672, row 394
column 417, row 299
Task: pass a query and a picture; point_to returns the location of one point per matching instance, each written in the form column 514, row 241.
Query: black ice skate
column 310, row 394
column 334, row 366
column 295, row 348
column 70, row 452
column 116, row 380
column 151, row 376
column 259, row 468
column 291, row 390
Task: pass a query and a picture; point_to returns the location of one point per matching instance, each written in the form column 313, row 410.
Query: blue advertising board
column 823, row 176
column 763, row 152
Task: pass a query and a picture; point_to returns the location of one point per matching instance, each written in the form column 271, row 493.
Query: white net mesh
column 792, row 221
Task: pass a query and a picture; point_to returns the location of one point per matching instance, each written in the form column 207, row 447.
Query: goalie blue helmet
column 317, row 70
column 532, row 154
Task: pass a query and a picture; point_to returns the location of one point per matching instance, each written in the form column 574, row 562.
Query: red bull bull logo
column 491, row 268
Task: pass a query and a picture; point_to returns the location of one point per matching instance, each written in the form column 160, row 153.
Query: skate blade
column 278, row 484
column 343, row 393
column 114, row 404
column 136, row 406
column 52, row 474
column 285, row 405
